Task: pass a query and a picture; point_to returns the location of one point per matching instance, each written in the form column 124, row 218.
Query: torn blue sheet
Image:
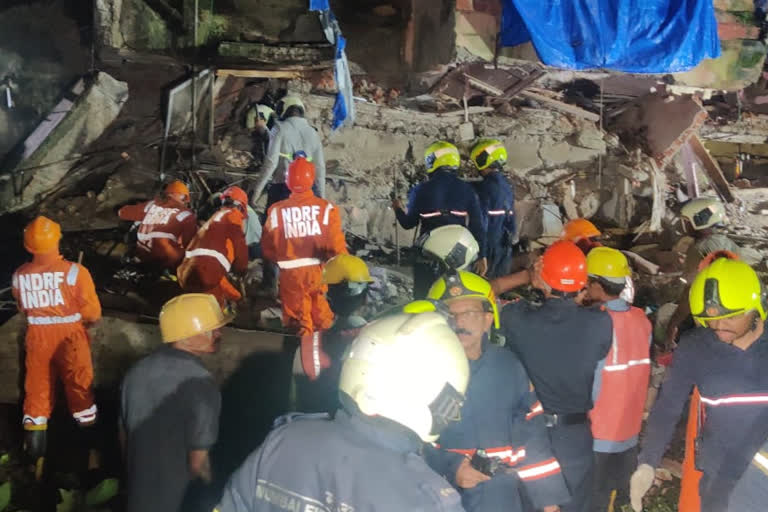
column 637, row 36
column 344, row 107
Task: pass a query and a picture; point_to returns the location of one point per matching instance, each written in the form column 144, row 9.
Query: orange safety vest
column 618, row 411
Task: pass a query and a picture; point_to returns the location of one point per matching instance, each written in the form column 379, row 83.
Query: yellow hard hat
column 724, row 289
column 190, row 314
column 703, row 212
column 345, row 267
column 608, row 263
column 579, row 229
column 488, row 151
column 463, row 285
column 42, row 235
column 441, row 154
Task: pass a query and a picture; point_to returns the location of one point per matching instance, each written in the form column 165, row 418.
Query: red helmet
column 301, row 175
column 237, row 196
column 564, row 267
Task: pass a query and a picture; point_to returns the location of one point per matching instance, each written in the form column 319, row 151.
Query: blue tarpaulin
column 344, row 107
column 637, row 36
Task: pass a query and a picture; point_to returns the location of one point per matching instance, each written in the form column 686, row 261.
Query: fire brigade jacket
column 618, row 412
column 222, row 239
column 351, row 463
column 502, row 416
column 497, row 201
column 442, row 200
column 301, row 231
column 733, row 384
column 164, row 219
column 561, row 345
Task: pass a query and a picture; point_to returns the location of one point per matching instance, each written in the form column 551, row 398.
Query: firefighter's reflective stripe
column 85, row 416
column 183, row 215
column 499, row 212
column 273, row 218
column 540, row 470
column 72, row 274
column 38, row 420
column 459, row 213
column 298, row 263
column 761, row 461
column 210, row 252
column 429, row 215
column 736, row 400
column 52, row 320
column 506, row 454
column 155, row 234
column 628, row 365
column 327, row 213
column 535, row 411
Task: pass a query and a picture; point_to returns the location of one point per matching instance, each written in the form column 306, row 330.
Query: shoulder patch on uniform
column 183, row 215
column 72, row 274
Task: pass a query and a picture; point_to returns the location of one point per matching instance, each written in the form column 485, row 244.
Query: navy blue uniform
column 734, row 396
column 502, row 416
column 442, row 200
column 562, row 346
column 351, row 463
column 497, row 202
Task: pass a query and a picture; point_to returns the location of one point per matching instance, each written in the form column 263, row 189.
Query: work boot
column 35, row 445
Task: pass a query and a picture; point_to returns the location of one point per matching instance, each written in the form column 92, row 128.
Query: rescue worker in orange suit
column 725, row 361
column 217, row 249
column 166, row 226
column 59, row 301
column 301, row 233
column 562, row 345
column 618, row 412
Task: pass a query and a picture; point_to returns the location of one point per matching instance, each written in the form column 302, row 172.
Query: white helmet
column 409, row 368
column 453, row 245
column 704, row 212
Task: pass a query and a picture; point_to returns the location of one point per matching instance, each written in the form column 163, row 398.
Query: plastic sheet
column 638, row 36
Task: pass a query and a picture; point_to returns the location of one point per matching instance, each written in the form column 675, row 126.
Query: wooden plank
column 523, row 84
column 470, row 110
column 560, row 106
column 712, row 169
column 258, row 73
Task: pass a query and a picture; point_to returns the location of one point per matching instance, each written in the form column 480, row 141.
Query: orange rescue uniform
column 218, row 248
column 301, row 233
column 167, row 226
column 57, row 297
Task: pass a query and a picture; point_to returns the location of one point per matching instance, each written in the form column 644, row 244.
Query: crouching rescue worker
column 561, row 345
column 726, row 362
column 301, row 233
column 166, row 226
column 441, row 200
column 169, row 407
column 217, row 249
column 59, row 301
column 497, row 202
column 500, row 445
column 618, row 412
column 402, row 382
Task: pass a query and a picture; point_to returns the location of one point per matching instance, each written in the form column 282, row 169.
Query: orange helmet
column 579, row 229
column 178, row 190
column 42, row 235
column 301, row 175
column 564, row 267
column 235, row 194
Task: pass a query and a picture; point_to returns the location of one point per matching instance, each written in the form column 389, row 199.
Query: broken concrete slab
column 49, row 152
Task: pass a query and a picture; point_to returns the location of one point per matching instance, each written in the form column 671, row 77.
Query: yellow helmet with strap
column 607, row 262
column 346, row 267
column 189, row 315
column 441, row 154
column 488, row 151
column 724, row 289
column 463, row 285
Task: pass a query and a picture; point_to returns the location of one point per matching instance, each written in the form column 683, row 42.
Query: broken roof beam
column 561, row 106
column 258, row 73
column 711, row 167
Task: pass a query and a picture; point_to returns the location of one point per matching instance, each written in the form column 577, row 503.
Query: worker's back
column 221, row 238
column 444, row 199
column 350, row 463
